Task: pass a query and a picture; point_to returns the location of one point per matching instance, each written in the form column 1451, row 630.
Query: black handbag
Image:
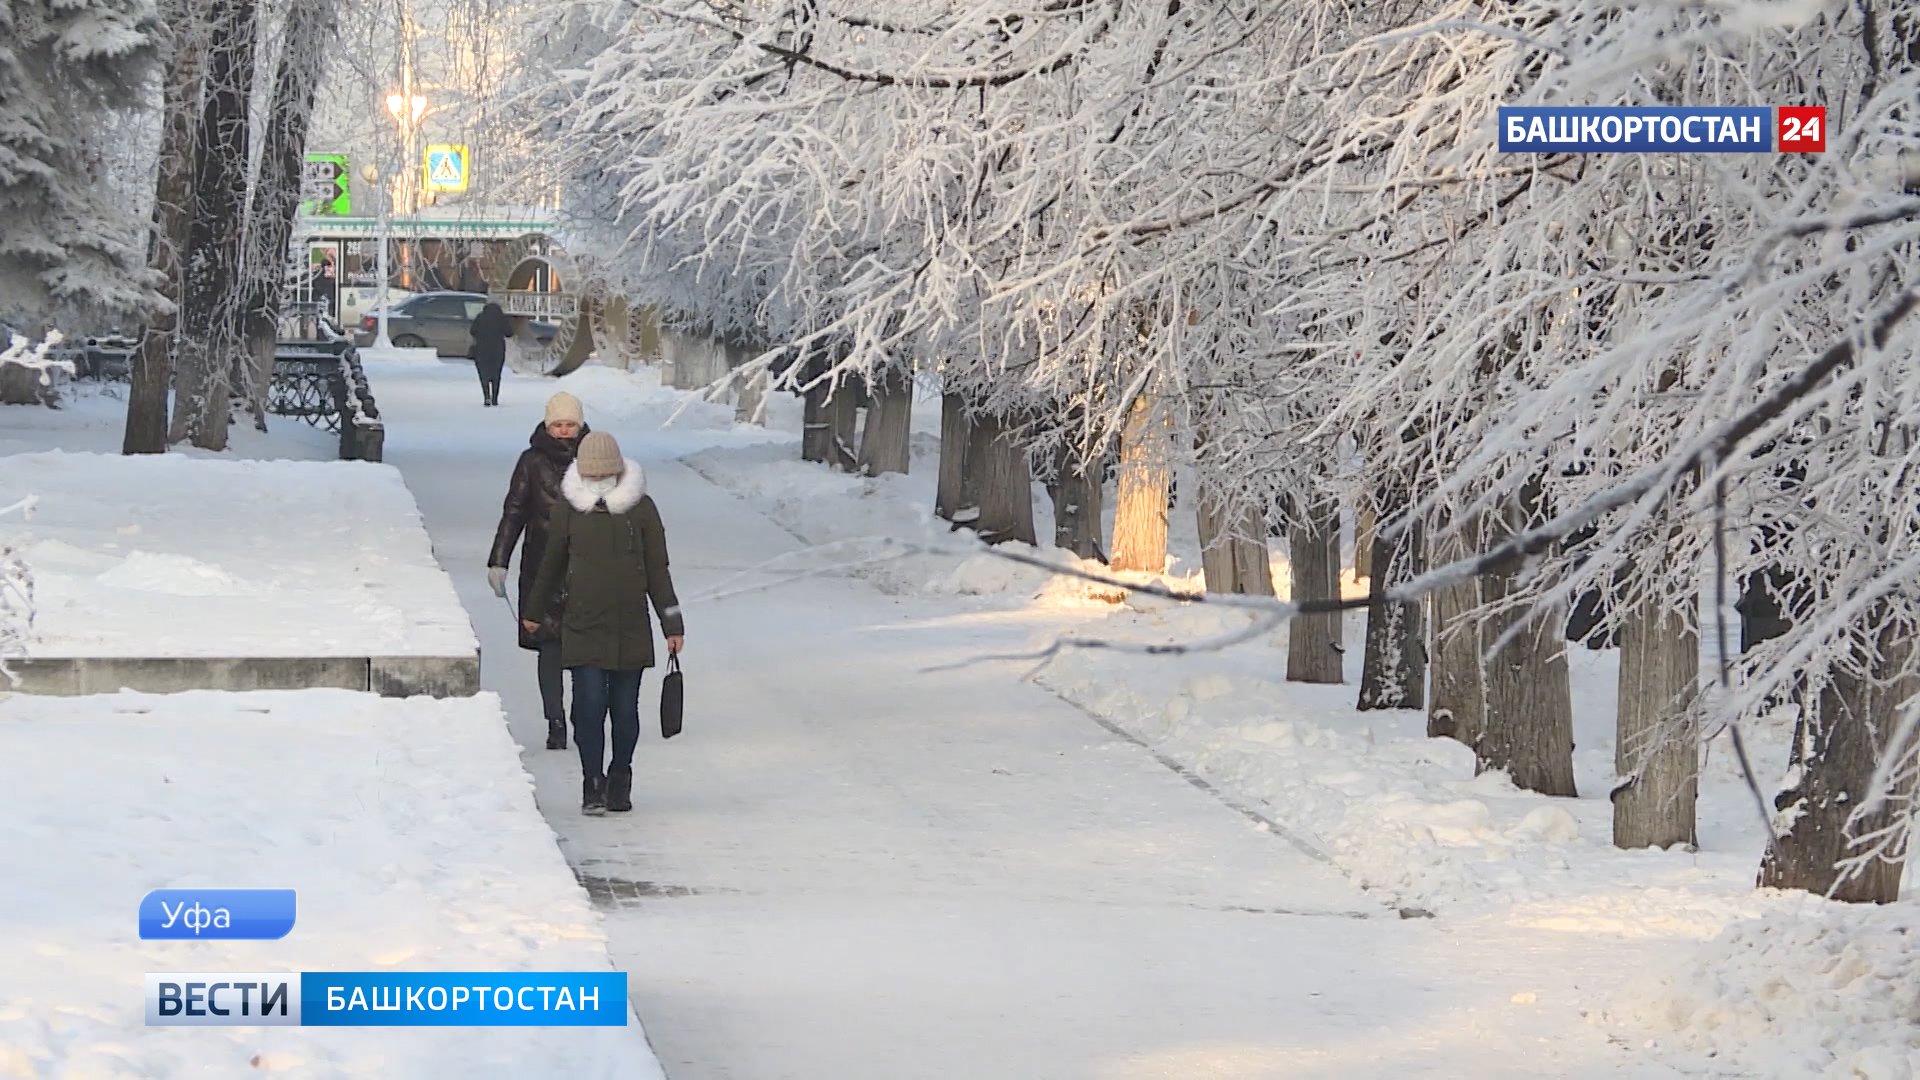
column 672, row 699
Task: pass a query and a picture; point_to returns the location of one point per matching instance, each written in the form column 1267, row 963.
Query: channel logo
column 223, row 999
column 1715, row 129
column 387, row 999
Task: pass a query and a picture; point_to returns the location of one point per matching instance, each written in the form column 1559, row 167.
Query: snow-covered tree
column 69, row 251
column 1250, row 238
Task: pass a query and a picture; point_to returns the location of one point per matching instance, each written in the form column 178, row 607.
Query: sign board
column 326, row 184
column 446, row 168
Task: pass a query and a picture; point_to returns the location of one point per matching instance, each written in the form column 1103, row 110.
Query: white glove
column 497, row 578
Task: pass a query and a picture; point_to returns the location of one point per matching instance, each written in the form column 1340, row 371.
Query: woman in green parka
column 606, row 543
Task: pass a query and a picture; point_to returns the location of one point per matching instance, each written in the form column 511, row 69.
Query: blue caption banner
column 463, row 999
column 1636, row 130
column 216, row 914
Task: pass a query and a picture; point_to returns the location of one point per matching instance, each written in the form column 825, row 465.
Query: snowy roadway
column 850, row 869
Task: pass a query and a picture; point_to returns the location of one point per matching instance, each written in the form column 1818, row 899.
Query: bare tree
column 1457, row 708
column 1393, row 673
column 1315, row 642
column 306, row 42
column 1657, row 751
column 209, row 339
column 1145, row 477
column 152, row 367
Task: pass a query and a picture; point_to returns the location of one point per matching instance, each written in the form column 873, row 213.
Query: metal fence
column 317, row 378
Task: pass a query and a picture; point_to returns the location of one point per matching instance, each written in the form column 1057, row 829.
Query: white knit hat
column 600, row 456
column 564, row 406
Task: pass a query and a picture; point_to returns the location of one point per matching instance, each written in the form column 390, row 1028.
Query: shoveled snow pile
column 280, row 558
column 614, row 397
column 1404, row 812
column 406, row 827
column 1811, row 989
column 883, row 529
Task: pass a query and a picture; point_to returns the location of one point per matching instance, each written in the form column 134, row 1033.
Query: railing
column 102, row 359
column 318, row 378
column 363, row 437
column 546, row 306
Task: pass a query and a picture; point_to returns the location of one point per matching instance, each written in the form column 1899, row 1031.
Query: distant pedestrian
column 531, row 494
column 490, row 331
column 606, row 542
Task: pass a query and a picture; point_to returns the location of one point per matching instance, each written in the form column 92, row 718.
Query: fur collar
column 624, row 497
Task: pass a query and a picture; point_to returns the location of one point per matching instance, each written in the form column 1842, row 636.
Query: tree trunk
column 1077, row 493
column 1006, row 484
column 210, row 341
column 306, row 45
column 1315, row 643
column 1233, row 549
column 843, row 421
column 147, row 430
column 1458, row 709
column 885, row 444
column 1393, row 672
column 816, row 432
column 1254, row 562
column 1363, row 531
column 669, row 360
column 1657, row 752
column 1836, row 748
column 1529, row 718
column 752, row 406
column 1143, row 488
column 956, row 435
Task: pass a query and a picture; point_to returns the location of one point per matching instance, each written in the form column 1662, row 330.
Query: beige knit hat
column 599, row 456
column 564, row 406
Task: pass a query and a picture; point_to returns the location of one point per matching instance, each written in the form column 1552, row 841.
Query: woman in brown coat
column 531, row 493
column 607, row 550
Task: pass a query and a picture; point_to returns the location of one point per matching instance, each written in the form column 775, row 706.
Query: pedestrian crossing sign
column 445, row 167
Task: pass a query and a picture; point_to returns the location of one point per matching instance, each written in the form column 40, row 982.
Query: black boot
column 593, row 795
column 556, row 734
column 619, row 789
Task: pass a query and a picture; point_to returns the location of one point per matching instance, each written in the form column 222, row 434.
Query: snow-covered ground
column 1715, row 960
column 877, row 853
column 407, row 829
column 174, row 555
column 93, row 418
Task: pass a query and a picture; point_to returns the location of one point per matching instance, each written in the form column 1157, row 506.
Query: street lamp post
column 406, row 108
column 380, row 180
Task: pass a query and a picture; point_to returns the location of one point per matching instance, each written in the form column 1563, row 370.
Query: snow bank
column 614, row 396
column 426, row 354
column 865, row 523
column 279, row 558
column 407, row 827
column 1396, row 809
column 1810, row 989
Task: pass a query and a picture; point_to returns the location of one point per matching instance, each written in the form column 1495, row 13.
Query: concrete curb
column 387, row 676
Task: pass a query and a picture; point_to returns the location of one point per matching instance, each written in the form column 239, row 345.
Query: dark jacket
column 610, row 557
column 531, row 493
column 490, row 331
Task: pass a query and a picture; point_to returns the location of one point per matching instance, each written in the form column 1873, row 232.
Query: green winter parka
column 609, row 558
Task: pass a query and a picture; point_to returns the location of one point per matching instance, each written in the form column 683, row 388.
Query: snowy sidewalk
column 406, row 828
column 851, row 868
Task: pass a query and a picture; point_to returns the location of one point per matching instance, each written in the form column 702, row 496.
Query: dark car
column 437, row 321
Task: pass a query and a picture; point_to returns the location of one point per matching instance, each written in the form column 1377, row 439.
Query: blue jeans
column 597, row 694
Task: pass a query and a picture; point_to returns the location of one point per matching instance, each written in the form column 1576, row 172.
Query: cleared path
column 848, row 869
